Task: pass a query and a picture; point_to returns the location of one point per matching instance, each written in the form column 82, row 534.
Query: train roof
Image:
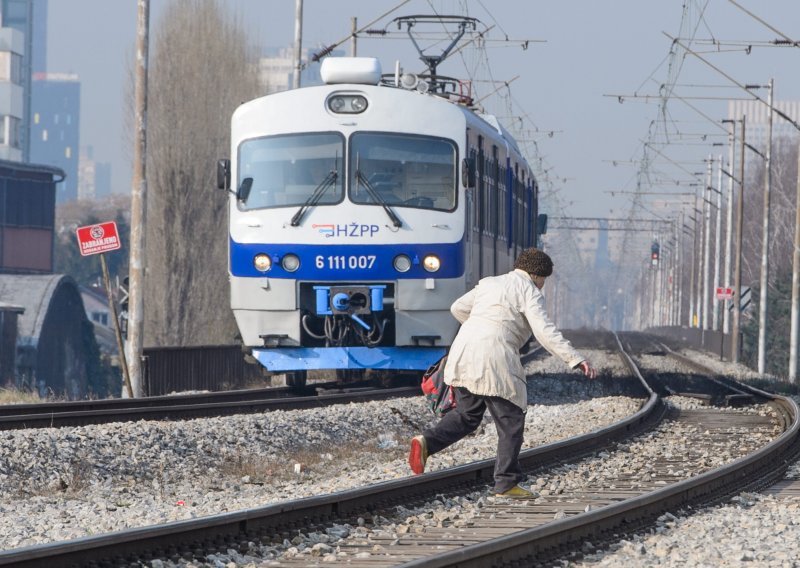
column 355, row 72
column 367, row 71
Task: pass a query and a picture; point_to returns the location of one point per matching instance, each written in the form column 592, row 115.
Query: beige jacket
column 498, row 317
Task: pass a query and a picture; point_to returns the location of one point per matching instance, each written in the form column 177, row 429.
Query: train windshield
column 286, row 170
column 405, row 170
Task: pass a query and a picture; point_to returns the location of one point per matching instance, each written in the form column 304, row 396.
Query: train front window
column 286, row 170
column 405, row 170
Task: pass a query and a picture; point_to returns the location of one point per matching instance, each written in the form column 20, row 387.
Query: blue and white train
column 359, row 211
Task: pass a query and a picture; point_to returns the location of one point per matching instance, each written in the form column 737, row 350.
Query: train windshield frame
column 287, row 169
column 405, row 170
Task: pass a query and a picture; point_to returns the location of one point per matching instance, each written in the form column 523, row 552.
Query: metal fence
column 204, row 367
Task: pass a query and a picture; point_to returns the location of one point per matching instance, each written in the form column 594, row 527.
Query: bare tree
column 782, row 211
column 201, row 68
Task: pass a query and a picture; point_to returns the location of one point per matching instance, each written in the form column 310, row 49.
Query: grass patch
column 16, row 396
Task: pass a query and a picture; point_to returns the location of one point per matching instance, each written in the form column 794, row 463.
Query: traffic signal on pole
column 655, row 251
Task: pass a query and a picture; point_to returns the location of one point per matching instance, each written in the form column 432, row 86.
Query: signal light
column 655, row 250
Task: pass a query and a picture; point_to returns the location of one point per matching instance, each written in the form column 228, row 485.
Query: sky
column 581, row 57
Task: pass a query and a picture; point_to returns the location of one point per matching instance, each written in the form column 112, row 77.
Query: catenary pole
column 726, row 320
column 137, row 261
column 298, row 43
column 354, row 37
column 795, row 283
column 717, row 244
column 693, row 278
column 764, row 282
column 704, row 308
column 680, row 263
column 737, row 272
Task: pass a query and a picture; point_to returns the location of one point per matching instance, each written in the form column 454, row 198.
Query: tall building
column 12, row 48
column 757, row 119
column 55, row 128
column 102, row 179
column 94, row 178
column 29, row 17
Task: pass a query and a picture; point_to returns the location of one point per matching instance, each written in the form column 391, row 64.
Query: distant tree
column 201, row 68
column 781, row 244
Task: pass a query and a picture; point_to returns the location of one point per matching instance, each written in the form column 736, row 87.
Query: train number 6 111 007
column 345, row 262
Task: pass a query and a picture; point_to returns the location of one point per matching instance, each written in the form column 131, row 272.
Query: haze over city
column 579, row 52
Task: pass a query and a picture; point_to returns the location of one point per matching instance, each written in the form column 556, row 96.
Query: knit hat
column 534, row 261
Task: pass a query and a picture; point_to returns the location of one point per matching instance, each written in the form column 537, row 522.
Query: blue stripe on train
column 336, row 262
column 306, row 358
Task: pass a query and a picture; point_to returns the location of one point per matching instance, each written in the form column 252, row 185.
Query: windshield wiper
column 314, row 198
column 378, row 198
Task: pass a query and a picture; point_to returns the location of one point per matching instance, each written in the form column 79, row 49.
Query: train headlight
column 262, row 262
column 347, row 104
column 290, row 262
column 358, row 104
column 336, row 104
column 402, row 263
column 431, row 263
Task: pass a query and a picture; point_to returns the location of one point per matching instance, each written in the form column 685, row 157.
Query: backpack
column 441, row 397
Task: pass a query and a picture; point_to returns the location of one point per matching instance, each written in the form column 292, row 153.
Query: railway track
column 181, row 407
column 199, row 405
column 501, row 533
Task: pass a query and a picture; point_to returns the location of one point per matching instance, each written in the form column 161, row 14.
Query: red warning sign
column 94, row 239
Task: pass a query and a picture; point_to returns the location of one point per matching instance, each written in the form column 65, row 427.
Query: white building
column 12, row 48
column 276, row 69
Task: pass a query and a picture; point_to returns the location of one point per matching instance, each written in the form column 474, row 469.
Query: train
column 359, row 210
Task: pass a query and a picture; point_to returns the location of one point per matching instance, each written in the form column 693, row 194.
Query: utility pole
column 298, row 43
column 680, row 263
column 353, row 37
column 137, row 262
column 694, row 268
column 795, row 283
column 737, row 274
column 717, row 239
column 762, row 307
column 726, row 320
column 706, row 241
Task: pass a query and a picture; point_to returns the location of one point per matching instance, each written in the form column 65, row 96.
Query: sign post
column 98, row 239
column 724, row 293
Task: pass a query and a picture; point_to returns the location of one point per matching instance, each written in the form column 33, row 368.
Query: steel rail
column 756, row 470
column 230, row 529
column 162, row 400
column 165, row 411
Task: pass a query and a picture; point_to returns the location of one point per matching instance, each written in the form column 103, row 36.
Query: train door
column 480, row 204
column 495, row 200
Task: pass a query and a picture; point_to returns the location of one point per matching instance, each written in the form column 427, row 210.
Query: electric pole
column 737, row 273
column 726, row 320
column 706, row 242
column 298, row 43
column 795, row 283
column 762, row 307
column 137, row 263
column 717, row 244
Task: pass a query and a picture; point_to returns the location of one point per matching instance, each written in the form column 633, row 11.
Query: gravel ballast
column 59, row 484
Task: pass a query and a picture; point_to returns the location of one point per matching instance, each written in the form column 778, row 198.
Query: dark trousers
column 465, row 419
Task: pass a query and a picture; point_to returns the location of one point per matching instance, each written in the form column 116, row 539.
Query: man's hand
column 587, row 369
